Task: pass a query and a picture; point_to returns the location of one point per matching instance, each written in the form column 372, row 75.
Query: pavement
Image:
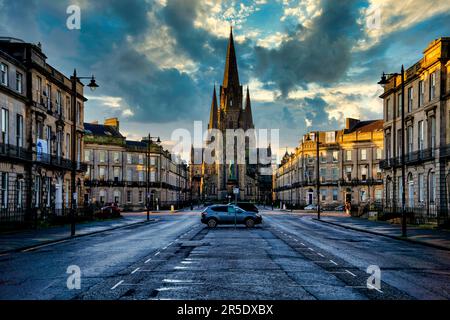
column 289, row 256
column 25, row 239
column 430, row 237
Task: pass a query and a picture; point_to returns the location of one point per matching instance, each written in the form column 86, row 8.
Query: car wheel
column 212, row 223
column 249, row 223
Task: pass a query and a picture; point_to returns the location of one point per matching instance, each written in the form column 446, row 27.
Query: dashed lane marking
column 351, row 273
column 117, row 284
column 320, row 254
column 333, row 262
column 148, row 260
column 157, row 253
column 135, row 270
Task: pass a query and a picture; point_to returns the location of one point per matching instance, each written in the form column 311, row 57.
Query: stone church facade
column 229, row 111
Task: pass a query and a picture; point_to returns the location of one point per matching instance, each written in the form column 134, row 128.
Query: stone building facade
column 427, row 135
column 37, row 126
column 118, row 170
column 348, row 167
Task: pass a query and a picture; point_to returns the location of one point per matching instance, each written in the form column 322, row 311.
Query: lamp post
column 316, row 134
column 147, row 184
column 92, row 85
column 383, row 82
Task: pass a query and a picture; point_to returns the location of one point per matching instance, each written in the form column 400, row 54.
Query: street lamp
column 316, row 134
column 92, row 85
column 147, row 185
column 383, row 82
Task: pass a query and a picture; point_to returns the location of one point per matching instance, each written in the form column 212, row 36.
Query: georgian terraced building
column 427, row 135
column 349, row 168
column 36, row 127
column 118, row 170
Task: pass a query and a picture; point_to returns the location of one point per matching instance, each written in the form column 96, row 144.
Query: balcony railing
column 414, row 157
column 58, row 162
column 14, row 152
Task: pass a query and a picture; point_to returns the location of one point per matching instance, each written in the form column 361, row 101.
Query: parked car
column 340, row 208
column 229, row 214
column 111, row 210
column 247, row 206
column 311, row 207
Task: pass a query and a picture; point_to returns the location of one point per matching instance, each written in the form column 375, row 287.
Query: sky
column 309, row 64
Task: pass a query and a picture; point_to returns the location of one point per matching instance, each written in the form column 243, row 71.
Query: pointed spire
column 230, row 76
column 213, row 113
column 248, row 110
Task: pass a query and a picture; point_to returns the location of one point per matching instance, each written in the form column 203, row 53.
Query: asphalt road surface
column 289, row 256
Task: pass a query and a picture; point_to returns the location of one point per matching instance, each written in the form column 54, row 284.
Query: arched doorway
column 348, row 195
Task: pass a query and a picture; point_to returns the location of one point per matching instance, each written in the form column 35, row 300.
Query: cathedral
column 226, row 179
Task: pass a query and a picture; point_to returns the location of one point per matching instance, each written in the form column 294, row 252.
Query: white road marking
column 164, row 248
column 177, row 281
column 117, row 284
column 302, row 243
column 311, row 249
column 148, row 260
column 320, row 254
column 369, row 285
column 157, row 253
column 333, row 262
column 135, row 270
column 350, row 273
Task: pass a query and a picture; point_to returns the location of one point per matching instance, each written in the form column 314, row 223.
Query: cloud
column 319, row 54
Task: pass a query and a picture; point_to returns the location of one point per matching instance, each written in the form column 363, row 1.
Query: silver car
column 229, row 214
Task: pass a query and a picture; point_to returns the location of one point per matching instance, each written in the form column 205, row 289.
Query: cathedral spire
column 230, row 76
column 248, row 110
column 213, row 113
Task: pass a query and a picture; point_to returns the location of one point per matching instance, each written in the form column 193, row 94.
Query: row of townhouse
column 131, row 173
column 37, row 124
column 348, row 163
column 426, row 136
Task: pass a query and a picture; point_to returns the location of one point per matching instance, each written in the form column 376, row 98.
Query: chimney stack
column 350, row 122
column 113, row 122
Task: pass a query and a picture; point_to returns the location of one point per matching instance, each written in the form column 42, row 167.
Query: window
column 420, row 136
column 128, row 196
column 88, row 172
column 323, row 174
column 68, row 108
column 19, row 194
column 432, row 141
column 4, row 74
column 59, row 141
column 5, row 126
column 48, row 137
column 335, row 156
column 141, row 176
column 323, row 158
column 116, row 157
column 410, row 139
column 58, row 102
column 421, row 93
column 324, row 194
column 410, row 98
column 129, row 175
column 78, row 118
column 152, row 161
column 141, row 159
column 387, row 144
column 102, row 196
column 363, row 195
column 152, row 176
column 432, row 188
column 101, row 173
column 335, row 194
column 379, row 153
column 330, row 137
column 399, row 142
column 348, row 173
column 399, row 105
column 378, row 194
column 363, row 173
column 335, row 173
column 129, row 158
column 87, row 155
column 432, row 85
column 37, row 191
column 102, row 156
column 348, row 155
column 116, row 172
column 19, row 82
column 421, row 188
column 4, row 189
column 68, row 146
column 140, row 197
column 400, row 188
column 19, row 130
column 363, row 154
column 49, row 97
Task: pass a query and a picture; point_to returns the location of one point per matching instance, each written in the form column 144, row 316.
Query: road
column 290, row 256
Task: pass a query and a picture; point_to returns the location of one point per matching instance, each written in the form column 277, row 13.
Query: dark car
column 229, row 214
column 340, row 208
column 247, row 206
